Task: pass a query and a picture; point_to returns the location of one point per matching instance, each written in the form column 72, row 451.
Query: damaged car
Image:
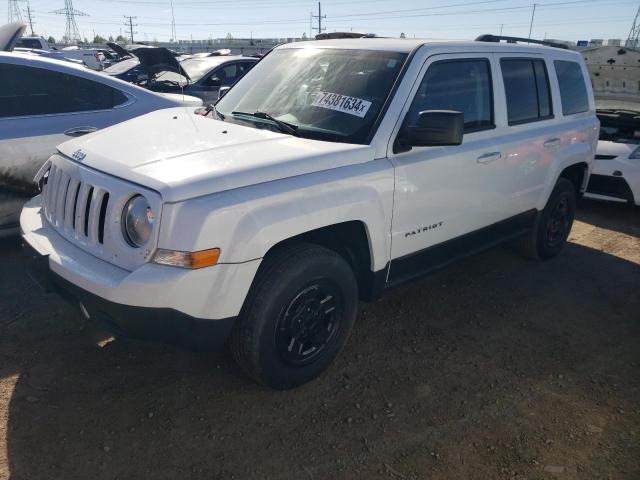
column 44, row 102
column 616, row 171
column 158, row 69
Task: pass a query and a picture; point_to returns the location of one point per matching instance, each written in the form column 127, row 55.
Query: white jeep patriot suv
column 332, row 171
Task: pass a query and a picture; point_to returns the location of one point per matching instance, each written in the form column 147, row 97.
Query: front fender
column 246, row 222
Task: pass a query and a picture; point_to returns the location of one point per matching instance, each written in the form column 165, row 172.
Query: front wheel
column 297, row 316
column 553, row 224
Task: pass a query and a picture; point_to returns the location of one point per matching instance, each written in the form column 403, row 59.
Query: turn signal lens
column 201, row 259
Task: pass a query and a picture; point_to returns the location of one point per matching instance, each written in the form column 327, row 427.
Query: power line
column 130, row 25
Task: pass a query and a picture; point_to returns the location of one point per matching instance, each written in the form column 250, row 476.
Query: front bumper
column 194, row 307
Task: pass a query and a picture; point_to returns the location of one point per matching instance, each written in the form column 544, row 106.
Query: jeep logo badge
column 78, row 155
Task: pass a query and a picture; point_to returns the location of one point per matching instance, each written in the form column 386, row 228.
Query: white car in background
column 45, row 102
column 91, row 57
column 616, row 171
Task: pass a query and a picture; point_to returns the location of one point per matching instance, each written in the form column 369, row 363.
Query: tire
column 553, row 224
column 297, row 316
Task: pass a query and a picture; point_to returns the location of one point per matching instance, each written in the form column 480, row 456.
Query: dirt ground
column 497, row 368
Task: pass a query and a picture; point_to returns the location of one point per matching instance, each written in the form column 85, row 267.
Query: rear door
column 530, row 133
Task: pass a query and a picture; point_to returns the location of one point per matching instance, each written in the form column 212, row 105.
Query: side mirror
column 222, row 92
column 436, row 128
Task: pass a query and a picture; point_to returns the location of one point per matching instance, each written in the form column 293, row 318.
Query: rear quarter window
column 573, row 91
column 29, row 91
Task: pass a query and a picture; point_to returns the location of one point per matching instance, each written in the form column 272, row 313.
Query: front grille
column 74, row 206
column 85, row 206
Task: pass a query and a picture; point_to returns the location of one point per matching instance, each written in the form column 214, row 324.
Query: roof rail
column 341, row 35
column 497, row 38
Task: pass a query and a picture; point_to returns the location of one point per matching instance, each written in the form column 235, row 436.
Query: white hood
column 620, row 150
column 182, row 155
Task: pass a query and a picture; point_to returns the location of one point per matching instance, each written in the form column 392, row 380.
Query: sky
column 453, row 19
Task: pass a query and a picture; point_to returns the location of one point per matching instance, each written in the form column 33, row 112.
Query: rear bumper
column 162, row 324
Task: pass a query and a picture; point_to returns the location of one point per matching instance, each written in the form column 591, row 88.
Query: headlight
column 137, row 221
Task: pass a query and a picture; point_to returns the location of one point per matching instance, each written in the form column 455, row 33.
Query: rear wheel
column 297, row 316
column 553, row 224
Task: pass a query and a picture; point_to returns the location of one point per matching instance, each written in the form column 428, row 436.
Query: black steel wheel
column 297, row 316
column 558, row 223
column 309, row 323
column 553, row 224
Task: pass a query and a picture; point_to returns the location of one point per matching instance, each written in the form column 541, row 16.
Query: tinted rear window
column 526, row 84
column 573, row 91
column 36, row 91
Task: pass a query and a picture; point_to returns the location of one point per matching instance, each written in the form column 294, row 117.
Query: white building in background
column 614, row 71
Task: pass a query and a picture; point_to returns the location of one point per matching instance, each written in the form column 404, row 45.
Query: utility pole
column 130, row 24
column 501, row 27
column 533, row 14
column 30, row 18
column 320, row 28
column 173, row 24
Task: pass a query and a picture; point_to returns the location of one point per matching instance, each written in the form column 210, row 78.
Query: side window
column 526, row 84
column 461, row 85
column 573, row 92
column 35, row 91
column 227, row 75
column 28, row 43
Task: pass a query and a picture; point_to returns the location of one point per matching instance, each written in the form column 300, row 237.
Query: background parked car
column 616, row 171
column 44, row 102
column 159, row 70
column 205, row 76
column 91, row 57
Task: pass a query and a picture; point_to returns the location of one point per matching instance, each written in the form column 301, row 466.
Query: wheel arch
column 352, row 241
column 578, row 175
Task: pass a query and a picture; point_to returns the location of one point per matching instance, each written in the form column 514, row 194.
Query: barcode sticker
column 342, row 103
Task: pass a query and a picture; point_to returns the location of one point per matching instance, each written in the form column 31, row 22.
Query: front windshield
column 326, row 94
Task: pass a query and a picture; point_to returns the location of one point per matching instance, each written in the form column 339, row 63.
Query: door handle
column 489, row 157
column 552, row 143
column 78, row 131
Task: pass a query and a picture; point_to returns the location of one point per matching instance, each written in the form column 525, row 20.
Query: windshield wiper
column 284, row 127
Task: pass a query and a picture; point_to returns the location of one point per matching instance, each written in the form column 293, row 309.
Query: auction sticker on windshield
column 342, row 103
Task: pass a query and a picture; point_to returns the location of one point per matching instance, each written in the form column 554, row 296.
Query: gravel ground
column 497, row 368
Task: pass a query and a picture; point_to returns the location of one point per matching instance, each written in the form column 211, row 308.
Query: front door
column 443, row 193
